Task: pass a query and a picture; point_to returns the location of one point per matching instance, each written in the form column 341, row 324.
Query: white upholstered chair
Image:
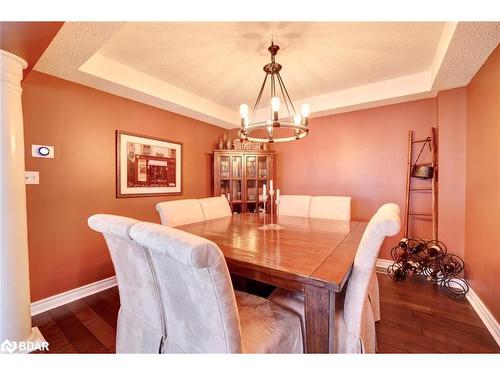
column 140, row 325
column 180, row 212
column 333, row 208
column 330, row 207
column 374, row 296
column 295, row 205
column 202, row 312
column 215, row 207
column 355, row 323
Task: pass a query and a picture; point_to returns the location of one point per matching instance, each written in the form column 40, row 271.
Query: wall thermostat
column 42, row 151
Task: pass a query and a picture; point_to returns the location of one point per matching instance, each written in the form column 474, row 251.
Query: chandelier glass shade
column 295, row 124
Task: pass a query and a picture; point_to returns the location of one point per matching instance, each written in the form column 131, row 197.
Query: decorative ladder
column 432, row 189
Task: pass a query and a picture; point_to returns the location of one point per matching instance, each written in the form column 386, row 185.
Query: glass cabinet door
column 252, row 191
column 251, row 164
column 237, row 165
column 263, row 166
column 224, row 167
column 236, row 191
column 224, row 187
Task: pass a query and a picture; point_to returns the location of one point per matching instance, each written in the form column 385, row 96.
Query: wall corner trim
column 57, row 300
column 477, row 304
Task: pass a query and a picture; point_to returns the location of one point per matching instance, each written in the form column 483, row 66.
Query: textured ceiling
column 205, row 70
column 223, row 61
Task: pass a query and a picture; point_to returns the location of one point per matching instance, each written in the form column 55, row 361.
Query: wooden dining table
column 311, row 256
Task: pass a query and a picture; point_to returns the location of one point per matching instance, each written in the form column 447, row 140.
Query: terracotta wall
column 482, row 224
column 81, row 122
column 452, row 124
column 363, row 154
column 28, row 40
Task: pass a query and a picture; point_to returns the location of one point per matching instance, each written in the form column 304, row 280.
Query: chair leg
column 374, row 297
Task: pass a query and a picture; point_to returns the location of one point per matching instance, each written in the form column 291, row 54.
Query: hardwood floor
column 416, row 318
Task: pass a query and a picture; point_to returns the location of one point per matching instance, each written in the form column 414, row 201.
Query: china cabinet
column 240, row 174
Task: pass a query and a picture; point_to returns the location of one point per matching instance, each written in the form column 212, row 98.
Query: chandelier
column 295, row 123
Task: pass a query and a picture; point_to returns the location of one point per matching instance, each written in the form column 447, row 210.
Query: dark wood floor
column 416, row 318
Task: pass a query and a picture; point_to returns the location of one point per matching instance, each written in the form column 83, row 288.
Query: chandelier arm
column 272, row 85
column 286, row 91
column 273, row 90
column 257, row 101
column 284, row 98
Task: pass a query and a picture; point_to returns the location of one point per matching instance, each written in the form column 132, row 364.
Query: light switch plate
column 32, row 177
column 42, row 151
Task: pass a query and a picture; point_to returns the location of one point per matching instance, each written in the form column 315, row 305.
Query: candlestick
column 271, row 194
column 265, row 226
column 271, row 186
column 277, row 226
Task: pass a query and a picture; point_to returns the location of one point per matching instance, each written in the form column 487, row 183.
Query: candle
column 264, row 190
column 277, row 194
column 271, row 186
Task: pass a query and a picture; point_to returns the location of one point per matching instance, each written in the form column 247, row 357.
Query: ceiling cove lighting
column 295, row 123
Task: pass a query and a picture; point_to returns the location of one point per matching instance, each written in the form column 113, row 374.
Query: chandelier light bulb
column 297, row 119
column 275, row 104
column 269, row 127
column 244, row 111
column 305, row 110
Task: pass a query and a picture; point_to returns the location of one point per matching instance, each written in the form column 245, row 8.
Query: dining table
column 309, row 255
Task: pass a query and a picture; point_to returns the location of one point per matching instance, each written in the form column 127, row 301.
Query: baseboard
column 72, row 295
column 485, row 315
column 382, row 265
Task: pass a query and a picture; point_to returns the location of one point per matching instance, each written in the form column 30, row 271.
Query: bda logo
column 23, row 346
column 8, row 346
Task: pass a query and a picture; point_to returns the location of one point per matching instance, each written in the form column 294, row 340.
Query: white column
column 15, row 314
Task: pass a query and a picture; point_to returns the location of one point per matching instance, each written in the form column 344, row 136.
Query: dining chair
column 202, row 312
column 354, row 318
column 374, row 296
column 295, row 205
column 330, row 207
column 180, row 212
column 215, row 207
column 140, row 326
column 339, row 208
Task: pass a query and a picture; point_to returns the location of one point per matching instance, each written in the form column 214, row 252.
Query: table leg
column 318, row 304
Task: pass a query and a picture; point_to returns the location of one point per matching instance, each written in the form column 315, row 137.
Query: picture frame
column 147, row 166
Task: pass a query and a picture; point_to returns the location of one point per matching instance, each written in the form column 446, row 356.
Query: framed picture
column 147, row 166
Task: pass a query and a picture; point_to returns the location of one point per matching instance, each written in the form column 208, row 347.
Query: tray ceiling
column 205, row 70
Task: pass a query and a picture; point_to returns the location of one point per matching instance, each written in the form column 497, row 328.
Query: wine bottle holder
column 414, row 256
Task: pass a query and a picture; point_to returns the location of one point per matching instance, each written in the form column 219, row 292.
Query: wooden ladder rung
column 421, row 140
column 421, row 189
column 420, row 214
column 422, row 164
